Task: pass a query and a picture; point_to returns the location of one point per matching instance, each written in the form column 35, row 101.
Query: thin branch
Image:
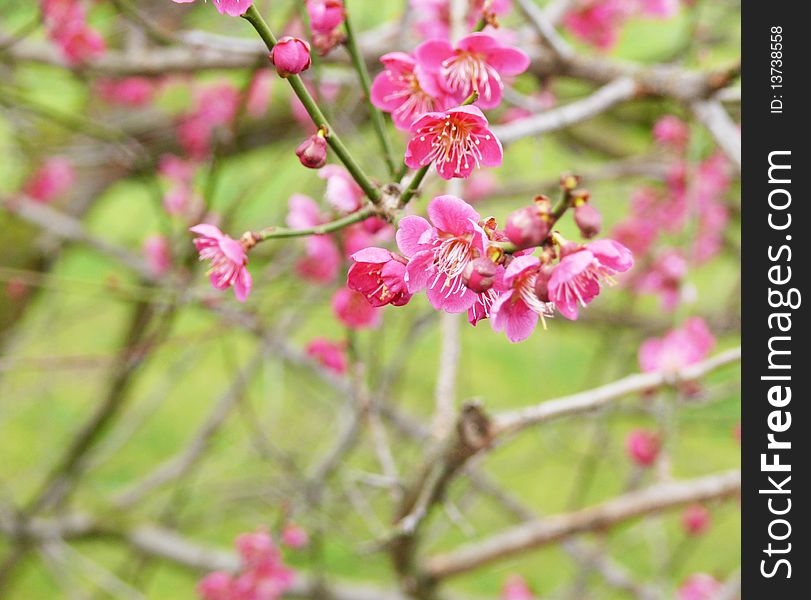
column 716, row 119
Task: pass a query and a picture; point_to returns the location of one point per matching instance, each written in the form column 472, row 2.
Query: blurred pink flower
column 233, row 8
column 52, row 179
column 325, row 15
column 343, row 194
column 259, row 92
column 158, row 254
column 689, row 344
column 331, row 355
column 516, row 588
column 456, row 141
column 66, row 25
column 695, row 519
column 664, row 278
column 353, row 310
column 671, row 131
column 294, row 536
column 699, row 586
column 130, row 91
column 227, row 257
column 216, row 586
column 643, row 447
column 597, row 22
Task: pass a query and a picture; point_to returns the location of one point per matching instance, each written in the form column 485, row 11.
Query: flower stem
column 311, row 106
column 414, row 185
column 275, row 233
column 378, row 121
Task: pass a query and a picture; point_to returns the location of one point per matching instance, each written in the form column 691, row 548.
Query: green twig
column 275, row 233
column 378, row 121
column 372, row 192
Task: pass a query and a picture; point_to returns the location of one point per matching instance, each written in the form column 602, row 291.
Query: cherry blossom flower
column 689, row 344
column 322, row 259
column 379, row 275
column 353, row 309
column 215, row 106
column 259, row 91
column 130, row 91
column 290, row 56
column 699, row 586
column 477, row 63
column 52, row 179
column 433, row 17
column 662, row 9
column 158, row 254
column 331, row 355
column 440, row 250
column 294, row 536
column 665, row 279
column 581, row 274
column 216, row 586
column 643, row 447
column 671, row 131
column 233, row 8
column 406, row 90
column 66, row 25
column 516, row 588
column 597, row 22
column 325, row 15
column 695, row 519
column 457, row 141
column 517, row 310
column 373, row 231
column 343, row 193
column 228, row 260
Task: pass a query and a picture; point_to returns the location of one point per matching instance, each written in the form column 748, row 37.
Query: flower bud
column 643, row 447
column 569, row 181
column 542, row 283
column 290, row 56
column 695, row 520
column 312, row 152
column 480, row 274
column 526, row 227
column 588, row 220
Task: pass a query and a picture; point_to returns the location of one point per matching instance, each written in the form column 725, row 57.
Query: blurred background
column 211, row 418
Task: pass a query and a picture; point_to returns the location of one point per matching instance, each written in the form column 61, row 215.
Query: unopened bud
column 542, row 283
column 588, row 220
column 480, row 274
column 312, row 152
column 569, row 181
column 526, row 227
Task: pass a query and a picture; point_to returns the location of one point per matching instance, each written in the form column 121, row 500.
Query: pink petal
column 431, row 53
column 452, row 214
column 410, row 234
column 508, row 61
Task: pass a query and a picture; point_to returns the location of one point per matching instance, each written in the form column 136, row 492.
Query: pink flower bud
column 695, row 519
column 312, row 152
column 290, row 56
column 526, row 227
column 295, row 537
column 588, row 220
column 479, row 275
column 325, row 15
column 542, row 283
column 643, row 447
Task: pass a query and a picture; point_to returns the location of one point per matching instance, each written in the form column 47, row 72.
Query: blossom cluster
column 66, row 25
column 262, row 572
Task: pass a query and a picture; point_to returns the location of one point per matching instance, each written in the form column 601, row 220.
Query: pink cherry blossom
column 52, row 179
column 331, row 355
column 406, row 90
column 516, row 588
column 457, row 141
column 343, row 193
column 373, row 231
column 259, row 91
column 643, row 447
column 215, row 106
column 671, row 131
column 439, row 252
column 379, row 275
column 290, row 56
column 664, row 278
column 256, row 549
column 233, row 8
column 597, row 22
column 689, row 344
column 695, row 519
column 662, row 9
column 294, row 536
column 699, row 586
column 216, row 586
column 130, row 91
column 353, row 309
column 581, row 274
column 66, row 25
column 477, row 63
column 432, row 17
column 325, row 15
column 158, row 254
column 322, row 259
column 228, row 260
column 516, row 311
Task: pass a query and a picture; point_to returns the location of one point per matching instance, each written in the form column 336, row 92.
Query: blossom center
column 451, row 256
column 454, row 141
column 468, row 70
